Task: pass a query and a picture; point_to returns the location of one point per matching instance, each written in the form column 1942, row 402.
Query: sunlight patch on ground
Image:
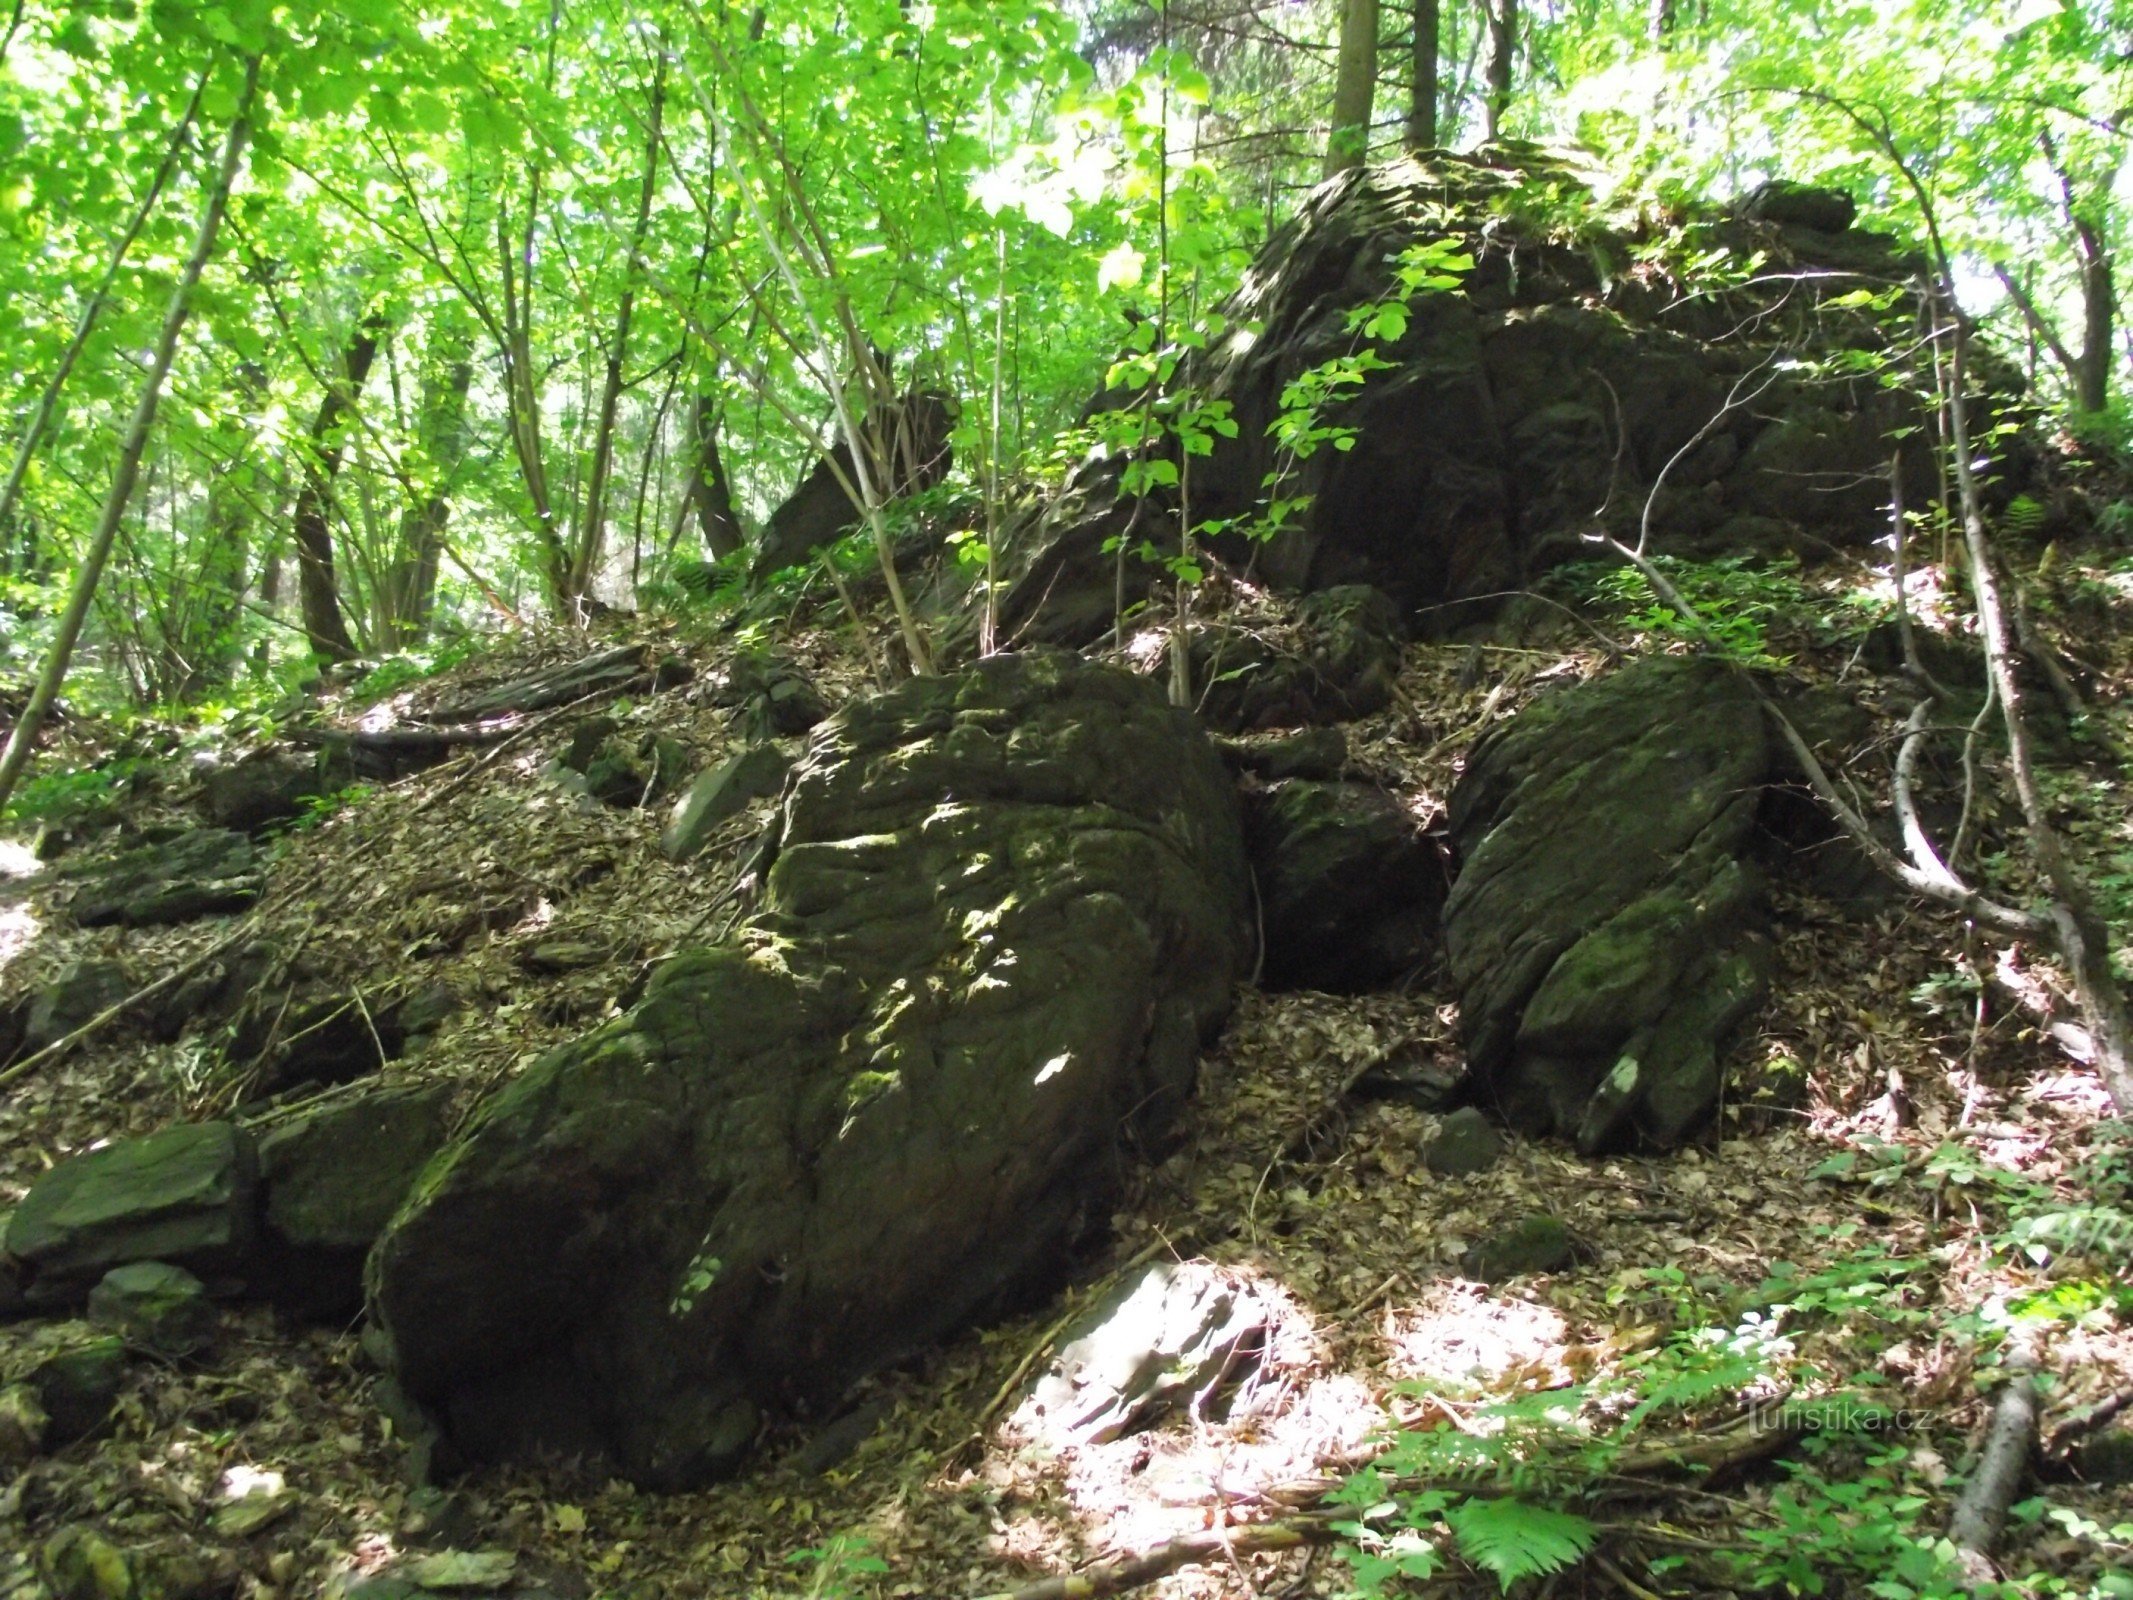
column 18, row 930
column 17, row 860
column 1462, row 1336
column 1282, row 1424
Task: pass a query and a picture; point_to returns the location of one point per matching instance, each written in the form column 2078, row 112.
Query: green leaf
column 1511, row 1539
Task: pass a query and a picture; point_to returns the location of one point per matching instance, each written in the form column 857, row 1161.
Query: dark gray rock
column 1465, row 1143
column 286, row 1038
column 912, row 434
column 755, row 773
column 1799, row 205
column 14, row 1302
column 1004, row 911
column 773, row 695
column 1551, row 387
column 184, row 1195
column 331, row 1179
column 197, row 874
column 1168, row 1337
column 155, row 1305
column 81, row 993
column 79, row 1386
column 1339, row 662
column 1350, row 889
column 1535, row 1243
column 621, row 768
column 2105, row 1457
column 1600, row 930
column 267, row 787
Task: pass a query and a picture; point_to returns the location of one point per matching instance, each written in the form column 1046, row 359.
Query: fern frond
column 1512, row 1539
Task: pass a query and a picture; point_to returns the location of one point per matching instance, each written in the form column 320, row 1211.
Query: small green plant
column 696, row 1279
column 836, row 1561
column 313, row 810
column 396, row 672
column 1736, row 599
column 67, row 795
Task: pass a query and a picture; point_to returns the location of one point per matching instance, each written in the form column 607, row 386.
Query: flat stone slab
column 183, row 1195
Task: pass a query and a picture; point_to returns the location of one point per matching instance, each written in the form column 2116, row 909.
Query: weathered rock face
column 265, row 788
column 1340, row 663
column 1513, row 416
column 197, row 874
column 1169, row 1337
column 1600, row 929
column 331, row 1180
column 80, row 994
column 753, row 773
column 1004, row 912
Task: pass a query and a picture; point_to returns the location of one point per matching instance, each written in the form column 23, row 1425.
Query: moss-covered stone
column 155, row 1305
column 1537, row 1242
column 1003, row 911
column 79, row 1386
column 1350, row 888
column 1550, row 390
column 183, row 1195
column 1601, row 930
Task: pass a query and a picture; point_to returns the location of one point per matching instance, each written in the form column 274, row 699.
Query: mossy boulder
column 1003, row 912
column 1577, row 358
column 198, row 873
column 330, row 1180
column 156, row 1306
column 1602, row 932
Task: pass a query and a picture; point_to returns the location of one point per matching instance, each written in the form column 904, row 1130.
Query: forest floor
column 1873, row 1210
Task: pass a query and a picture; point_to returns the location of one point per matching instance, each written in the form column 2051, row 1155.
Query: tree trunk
column 2099, row 310
column 709, row 496
column 522, row 397
column 592, row 531
column 1422, row 85
column 1354, row 87
column 210, row 645
column 312, row 526
column 1663, row 17
column 410, row 589
column 1503, row 52
column 17, row 755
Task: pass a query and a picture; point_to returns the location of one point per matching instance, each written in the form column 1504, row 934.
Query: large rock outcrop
column 1004, row 911
column 1540, row 399
column 1601, row 929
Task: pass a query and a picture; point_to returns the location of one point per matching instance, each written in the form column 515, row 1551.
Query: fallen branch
column 2002, row 1468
